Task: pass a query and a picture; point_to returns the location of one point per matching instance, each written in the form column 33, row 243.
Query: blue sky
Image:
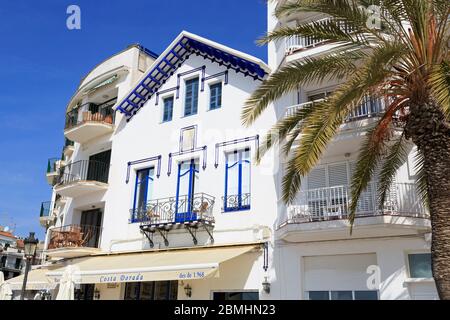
column 42, row 63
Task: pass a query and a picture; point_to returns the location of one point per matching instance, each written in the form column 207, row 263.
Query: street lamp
column 30, row 245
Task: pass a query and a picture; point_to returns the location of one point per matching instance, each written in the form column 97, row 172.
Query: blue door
column 187, row 176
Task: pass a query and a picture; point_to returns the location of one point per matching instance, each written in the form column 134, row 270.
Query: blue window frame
column 168, row 109
column 142, row 192
column 187, row 176
column 191, row 99
column 215, row 98
column 237, row 181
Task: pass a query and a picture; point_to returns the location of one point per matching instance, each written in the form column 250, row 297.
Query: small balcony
column 369, row 108
column 69, row 148
column 53, row 166
column 322, row 214
column 46, row 216
column 90, row 121
column 239, row 202
column 163, row 215
column 82, row 177
column 301, row 43
column 73, row 241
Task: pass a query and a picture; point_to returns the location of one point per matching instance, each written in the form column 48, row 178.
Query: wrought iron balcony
column 174, row 210
column 333, row 204
column 84, row 170
column 296, row 43
column 238, row 202
column 53, row 166
column 370, row 107
column 74, row 236
column 91, row 112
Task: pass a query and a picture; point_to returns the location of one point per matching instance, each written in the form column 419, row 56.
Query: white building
column 315, row 256
column 158, row 197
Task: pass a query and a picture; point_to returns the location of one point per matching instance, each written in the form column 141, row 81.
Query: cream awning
column 174, row 264
column 37, row 280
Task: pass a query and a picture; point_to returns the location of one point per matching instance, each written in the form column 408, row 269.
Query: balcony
column 82, row 177
column 73, row 241
column 369, row 108
column 69, row 148
column 321, row 214
column 53, row 166
column 300, row 43
column 240, row 202
column 46, row 217
column 90, row 121
column 163, row 215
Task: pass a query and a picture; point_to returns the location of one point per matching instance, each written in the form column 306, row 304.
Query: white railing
column 334, row 202
column 370, row 107
column 298, row 42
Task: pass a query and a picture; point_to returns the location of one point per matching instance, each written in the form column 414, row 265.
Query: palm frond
column 329, row 31
column 421, row 180
column 288, row 78
column 440, row 86
column 396, row 156
column 283, row 128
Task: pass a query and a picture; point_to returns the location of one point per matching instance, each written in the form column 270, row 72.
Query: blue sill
column 218, row 108
column 237, row 209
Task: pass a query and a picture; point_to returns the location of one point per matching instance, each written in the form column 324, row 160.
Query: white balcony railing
column 333, row 203
column 302, row 42
column 370, row 107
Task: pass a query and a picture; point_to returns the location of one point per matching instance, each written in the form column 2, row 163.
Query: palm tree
column 405, row 63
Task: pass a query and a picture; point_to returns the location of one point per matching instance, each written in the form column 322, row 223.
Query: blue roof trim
column 167, row 66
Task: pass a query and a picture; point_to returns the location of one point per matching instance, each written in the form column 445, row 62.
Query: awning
column 37, row 280
column 174, row 264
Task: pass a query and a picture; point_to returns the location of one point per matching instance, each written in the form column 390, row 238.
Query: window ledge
column 418, row 280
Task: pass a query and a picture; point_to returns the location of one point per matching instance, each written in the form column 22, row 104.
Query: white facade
column 314, row 251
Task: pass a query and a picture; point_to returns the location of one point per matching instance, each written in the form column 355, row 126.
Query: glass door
column 187, row 176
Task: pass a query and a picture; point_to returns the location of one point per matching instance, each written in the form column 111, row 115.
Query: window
column 215, row 98
column 142, row 192
column 420, row 265
column 191, row 99
column 168, row 109
column 154, row 290
column 18, row 263
column 187, row 176
column 343, row 295
column 188, row 137
column 250, row 295
column 237, row 181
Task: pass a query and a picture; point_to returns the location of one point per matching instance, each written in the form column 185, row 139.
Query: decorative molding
column 235, row 141
column 132, row 163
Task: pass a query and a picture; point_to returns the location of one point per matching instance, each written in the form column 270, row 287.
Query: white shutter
column 337, row 175
column 317, row 178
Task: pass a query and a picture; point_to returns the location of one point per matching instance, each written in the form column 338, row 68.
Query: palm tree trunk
column 429, row 130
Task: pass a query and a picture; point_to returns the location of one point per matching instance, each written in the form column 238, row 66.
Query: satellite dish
column 6, row 229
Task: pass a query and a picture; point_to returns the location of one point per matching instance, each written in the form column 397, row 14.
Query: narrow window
column 237, row 181
column 142, row 193
column 187, row 176
column 168, row 109
column 215, row 98
column 191, row 99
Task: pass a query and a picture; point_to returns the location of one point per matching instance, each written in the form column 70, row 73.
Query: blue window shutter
column 191, row 99
column 215, row 100
column 168, row 109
